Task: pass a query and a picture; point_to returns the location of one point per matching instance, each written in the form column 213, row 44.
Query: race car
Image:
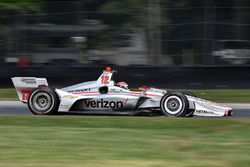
column 107, row 96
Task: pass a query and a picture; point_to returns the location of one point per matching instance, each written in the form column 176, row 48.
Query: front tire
column 43, row 101
column 175, row 104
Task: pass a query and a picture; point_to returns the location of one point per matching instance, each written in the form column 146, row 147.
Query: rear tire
column 175, row 104
column 43, row 101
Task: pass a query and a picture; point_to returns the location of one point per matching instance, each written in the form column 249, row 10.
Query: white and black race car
column 106, row 96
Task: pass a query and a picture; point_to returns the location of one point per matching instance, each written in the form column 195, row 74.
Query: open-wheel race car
column 106, row 96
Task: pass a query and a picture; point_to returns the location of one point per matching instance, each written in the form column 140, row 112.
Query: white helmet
column 122, row 85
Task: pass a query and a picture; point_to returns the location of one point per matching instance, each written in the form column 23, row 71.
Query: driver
column 123, row 85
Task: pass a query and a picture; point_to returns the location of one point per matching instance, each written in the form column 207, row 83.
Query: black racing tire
column 43, row 101
column 190, row 114
column 189, row 93
column 175, row 104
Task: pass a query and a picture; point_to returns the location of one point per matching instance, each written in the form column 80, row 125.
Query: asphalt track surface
column 17, row 108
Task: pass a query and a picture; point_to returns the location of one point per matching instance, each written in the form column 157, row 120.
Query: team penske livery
column 105, row 96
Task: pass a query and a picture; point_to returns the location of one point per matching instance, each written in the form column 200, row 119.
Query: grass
column 225, row 95
column 75, row 141
column 8, row 94
column 217, row 95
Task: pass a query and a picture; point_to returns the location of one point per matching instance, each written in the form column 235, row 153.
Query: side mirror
column 103, row 90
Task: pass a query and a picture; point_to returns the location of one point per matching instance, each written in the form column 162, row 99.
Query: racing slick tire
column 189, row 93
column 175, row 104
column 43, row 101
column 190, row 114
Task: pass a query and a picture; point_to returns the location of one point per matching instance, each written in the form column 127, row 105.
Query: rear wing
column 24, row 86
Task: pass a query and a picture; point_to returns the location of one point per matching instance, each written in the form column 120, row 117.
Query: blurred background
column 188, row 44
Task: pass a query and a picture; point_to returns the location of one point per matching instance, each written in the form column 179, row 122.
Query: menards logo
column 105, row 104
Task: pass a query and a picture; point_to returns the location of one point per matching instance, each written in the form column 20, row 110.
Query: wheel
column 189, row 93
column 175, row 104
column 190, row 114
column 43, row 101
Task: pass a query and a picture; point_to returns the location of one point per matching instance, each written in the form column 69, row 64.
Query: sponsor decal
column 204, row 112
column 28, row 81
column 105, row 104
column 116, row 91
column 80, row 90
column 70, row 97
column 25, row 94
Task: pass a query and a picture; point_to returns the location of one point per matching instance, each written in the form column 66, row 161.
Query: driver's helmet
column 122, row 85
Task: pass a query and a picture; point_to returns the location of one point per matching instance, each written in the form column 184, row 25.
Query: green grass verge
column 225, row 95
column 8, row 94
column 217, row 95
column 74, row 141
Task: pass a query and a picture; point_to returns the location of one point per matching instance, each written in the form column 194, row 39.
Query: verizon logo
column 105, row 104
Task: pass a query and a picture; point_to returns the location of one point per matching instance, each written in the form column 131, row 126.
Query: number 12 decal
column 105, row 79
column 25, row 94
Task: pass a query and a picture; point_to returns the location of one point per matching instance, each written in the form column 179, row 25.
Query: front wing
column 203, row 107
